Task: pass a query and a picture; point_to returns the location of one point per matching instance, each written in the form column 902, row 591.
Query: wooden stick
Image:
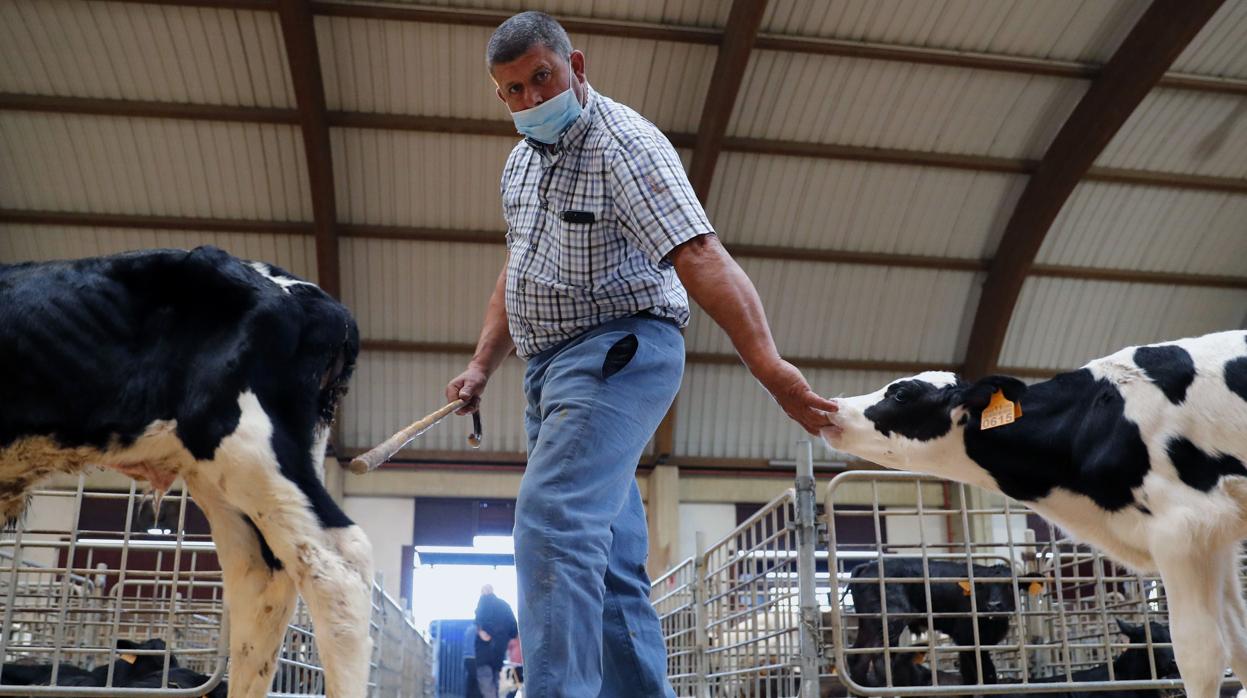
column 372, row 459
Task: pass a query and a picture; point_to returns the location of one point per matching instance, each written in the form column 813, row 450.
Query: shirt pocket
column 582, row 231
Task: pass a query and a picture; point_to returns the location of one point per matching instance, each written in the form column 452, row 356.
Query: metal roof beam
column 298, row 32
column 730, row 63
column 700, row 35
column 1160, row 35
column 257, row 5
column 493, row 127
column 729, row 71
column 401, row 346
column 491, row 237
column 776, row 42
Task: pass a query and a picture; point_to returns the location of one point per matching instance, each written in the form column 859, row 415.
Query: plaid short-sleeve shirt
column 590, row 224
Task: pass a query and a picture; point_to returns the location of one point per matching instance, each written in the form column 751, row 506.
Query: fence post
column 807, row 540
column 698, row 585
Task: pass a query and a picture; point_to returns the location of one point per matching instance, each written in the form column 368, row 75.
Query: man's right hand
column 467, row 386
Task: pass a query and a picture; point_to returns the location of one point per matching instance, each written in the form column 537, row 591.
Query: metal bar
column 1084, row 593
column 807, row 539
column 702, row 685
column 64, row 605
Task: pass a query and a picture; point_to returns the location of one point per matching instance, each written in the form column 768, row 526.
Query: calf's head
column 1133, row 664
column 993, row 590
column 917, row 420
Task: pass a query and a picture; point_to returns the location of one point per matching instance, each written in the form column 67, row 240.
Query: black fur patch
column 1199, row 469
column 1170, row 368
column 619, row 355
column 265, row 552
column 1236, row 376
column 97, row 349
column 914, row 409
column 1073, row 435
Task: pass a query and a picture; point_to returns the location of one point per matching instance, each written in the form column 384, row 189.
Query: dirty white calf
column 168, row 363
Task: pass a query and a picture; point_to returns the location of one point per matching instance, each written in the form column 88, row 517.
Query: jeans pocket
column 618, row 356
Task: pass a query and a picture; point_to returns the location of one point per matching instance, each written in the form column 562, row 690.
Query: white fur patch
column 285, row 282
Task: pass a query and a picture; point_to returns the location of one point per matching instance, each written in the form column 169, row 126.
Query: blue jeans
column 580, row 538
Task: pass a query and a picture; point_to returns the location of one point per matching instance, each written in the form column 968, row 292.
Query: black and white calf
column 225, row 372
column 1139, row 453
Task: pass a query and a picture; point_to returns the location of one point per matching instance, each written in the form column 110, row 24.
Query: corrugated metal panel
column 419, row 291
column 856, row 312
column 833, row 204
column 423, row 179
column 38, row 243
column 1076, row 30
column 391, row 390
column 666, row 82
column 404, row 67
column 1127, row 227
column 723, row 412
column 1063, row 323
column 888, row 104
column 1221, row 48
column 136, row 51
column 65, row 162
column 1185, row 132
column 701, row 13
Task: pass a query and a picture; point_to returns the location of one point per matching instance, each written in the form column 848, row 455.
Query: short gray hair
column 514, row 37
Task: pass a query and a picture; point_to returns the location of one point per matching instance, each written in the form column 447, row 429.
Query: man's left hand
column 790, row 389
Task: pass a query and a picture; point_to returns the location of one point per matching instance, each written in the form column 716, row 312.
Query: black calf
column 129, row 671
column 995, row 604
column 1131, row 665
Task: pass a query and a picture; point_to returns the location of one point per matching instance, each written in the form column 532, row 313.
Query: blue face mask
column 547, row 121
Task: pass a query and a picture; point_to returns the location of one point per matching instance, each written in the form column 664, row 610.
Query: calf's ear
column 1032, row 587
column 978, row 394
column 1130, row 630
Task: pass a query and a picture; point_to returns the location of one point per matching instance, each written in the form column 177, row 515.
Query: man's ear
column 577, row 61
column 976, row 397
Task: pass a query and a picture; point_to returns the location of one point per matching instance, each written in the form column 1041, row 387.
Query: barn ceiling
column 975, row 185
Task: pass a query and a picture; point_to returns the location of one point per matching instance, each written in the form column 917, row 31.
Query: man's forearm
column 718, row 284
column 495, row 342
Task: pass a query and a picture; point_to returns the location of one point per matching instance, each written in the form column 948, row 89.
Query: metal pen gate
column 73, row 597
column 760, row 613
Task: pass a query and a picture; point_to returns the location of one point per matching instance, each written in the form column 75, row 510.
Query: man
column 496, row 628
column 604, row 234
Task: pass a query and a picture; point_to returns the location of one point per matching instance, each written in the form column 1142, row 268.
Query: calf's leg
column 1194, row 586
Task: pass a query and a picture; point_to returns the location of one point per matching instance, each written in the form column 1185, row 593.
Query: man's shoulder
column 518, row 156
column 621, row 128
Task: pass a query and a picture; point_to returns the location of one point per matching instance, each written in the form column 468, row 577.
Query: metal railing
column 960, row 591
column 739, row 618
column 1022, row 598
column 69, row 595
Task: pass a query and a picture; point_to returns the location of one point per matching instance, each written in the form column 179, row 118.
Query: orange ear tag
column 129, row 658
column 999, row 412
column 1035, row 589
column 965, row 587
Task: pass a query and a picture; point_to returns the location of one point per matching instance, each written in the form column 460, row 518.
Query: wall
column 388, row 523
column 715, row 520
